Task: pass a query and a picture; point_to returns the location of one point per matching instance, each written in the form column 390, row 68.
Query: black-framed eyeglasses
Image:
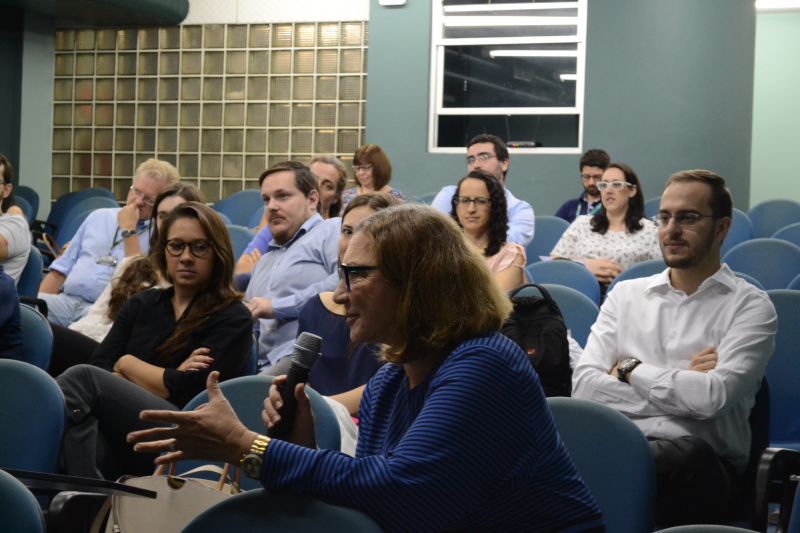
column 587, row 177
column 464, row 201
column 345, row 271
column 483, row 156
column 198, row 248
column 365, row 168
column 613, row 185
column 682, row 219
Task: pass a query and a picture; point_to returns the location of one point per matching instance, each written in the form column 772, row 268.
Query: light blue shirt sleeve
column 289, row 275
column 260, row 241
column 520, row 220
column 96, row 237
column 444, row 200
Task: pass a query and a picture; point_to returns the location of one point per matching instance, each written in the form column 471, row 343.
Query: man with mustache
column 592, row 165
column 683, row 354
column 300, row 262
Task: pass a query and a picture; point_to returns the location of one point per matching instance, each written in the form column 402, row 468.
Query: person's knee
column 681, row 454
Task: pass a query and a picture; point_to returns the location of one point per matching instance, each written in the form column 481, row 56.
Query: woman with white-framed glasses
column 161, row 347
column 616, row 237
column 479, row 208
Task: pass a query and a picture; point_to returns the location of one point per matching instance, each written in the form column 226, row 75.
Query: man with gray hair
column 107, row 236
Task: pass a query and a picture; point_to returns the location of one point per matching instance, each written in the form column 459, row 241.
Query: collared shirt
column 664, row 328
column 96, row 237
column 260, row 241
column 572, row 209
column 520, row 214
column 289, row 275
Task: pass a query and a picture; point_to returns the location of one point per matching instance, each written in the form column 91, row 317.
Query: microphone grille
column 307, row 349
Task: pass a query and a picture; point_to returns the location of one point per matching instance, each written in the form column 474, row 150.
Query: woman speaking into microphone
column 454, row 432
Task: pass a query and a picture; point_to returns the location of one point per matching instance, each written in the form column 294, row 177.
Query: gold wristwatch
column 253, row 461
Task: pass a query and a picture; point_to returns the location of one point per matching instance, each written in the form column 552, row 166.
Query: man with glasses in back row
column 489, row 153
column 683, row 354
column 592, row 165
column 107, row 236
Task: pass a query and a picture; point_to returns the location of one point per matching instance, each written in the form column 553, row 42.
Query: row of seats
column 778, row 219
column 243, row 209
column 31, row 277
column 781, row 270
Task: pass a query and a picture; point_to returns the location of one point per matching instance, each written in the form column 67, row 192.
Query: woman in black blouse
column 161, row 347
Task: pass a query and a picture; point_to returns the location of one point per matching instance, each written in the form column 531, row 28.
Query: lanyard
column 117, row 241
column 594, row 210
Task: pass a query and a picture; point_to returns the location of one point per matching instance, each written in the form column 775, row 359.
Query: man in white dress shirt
column 683, row 354
column 489, row 153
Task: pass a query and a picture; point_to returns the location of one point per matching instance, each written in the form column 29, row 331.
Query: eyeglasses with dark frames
column 346, row 271
column 464, row 201
column 198, row 248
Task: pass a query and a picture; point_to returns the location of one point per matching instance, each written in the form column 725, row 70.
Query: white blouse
column 624, row 248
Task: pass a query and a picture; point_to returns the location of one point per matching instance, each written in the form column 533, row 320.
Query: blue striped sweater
column 471, row 448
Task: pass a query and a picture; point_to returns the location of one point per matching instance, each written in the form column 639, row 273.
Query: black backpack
column 537, row 326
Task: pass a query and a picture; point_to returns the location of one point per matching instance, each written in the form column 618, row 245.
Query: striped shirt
column 471, row 448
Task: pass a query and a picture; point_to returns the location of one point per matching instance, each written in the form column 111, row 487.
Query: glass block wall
column 220, row 102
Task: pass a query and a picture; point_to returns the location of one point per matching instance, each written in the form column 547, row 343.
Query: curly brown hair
column 498, row 210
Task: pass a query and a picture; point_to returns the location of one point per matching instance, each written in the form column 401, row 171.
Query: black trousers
column 693, row 484
column 101, row 410
column 70, row 348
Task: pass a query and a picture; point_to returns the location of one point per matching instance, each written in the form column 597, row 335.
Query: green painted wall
column 668, row 87
column 776, row 113
column 36, row 106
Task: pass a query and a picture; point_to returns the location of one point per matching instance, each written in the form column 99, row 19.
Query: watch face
column 251, row 466
column 627, row 364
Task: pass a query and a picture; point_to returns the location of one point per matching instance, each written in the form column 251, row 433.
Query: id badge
column 107, row 260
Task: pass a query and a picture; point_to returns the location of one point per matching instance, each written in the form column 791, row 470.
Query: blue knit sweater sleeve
column 473, row 447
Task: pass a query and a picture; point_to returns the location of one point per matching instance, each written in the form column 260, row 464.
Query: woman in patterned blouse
column 616, row 237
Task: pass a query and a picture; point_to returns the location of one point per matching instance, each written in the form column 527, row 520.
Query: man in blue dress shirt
column 78, row 277
column 489, row 153
column 300, row 262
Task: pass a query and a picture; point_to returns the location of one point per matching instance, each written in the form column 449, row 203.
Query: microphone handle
column 297, row 374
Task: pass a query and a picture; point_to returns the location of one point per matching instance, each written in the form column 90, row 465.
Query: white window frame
column 439, row 42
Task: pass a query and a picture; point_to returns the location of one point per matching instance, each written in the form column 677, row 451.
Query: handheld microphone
column 305, row 354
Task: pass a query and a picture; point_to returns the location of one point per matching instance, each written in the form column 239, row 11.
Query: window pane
column 492, row 76
column 548, row 131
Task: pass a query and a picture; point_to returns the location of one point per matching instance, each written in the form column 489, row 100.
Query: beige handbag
column 180, row 499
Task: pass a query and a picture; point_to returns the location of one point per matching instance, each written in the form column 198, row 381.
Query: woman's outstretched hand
column 212, row 432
